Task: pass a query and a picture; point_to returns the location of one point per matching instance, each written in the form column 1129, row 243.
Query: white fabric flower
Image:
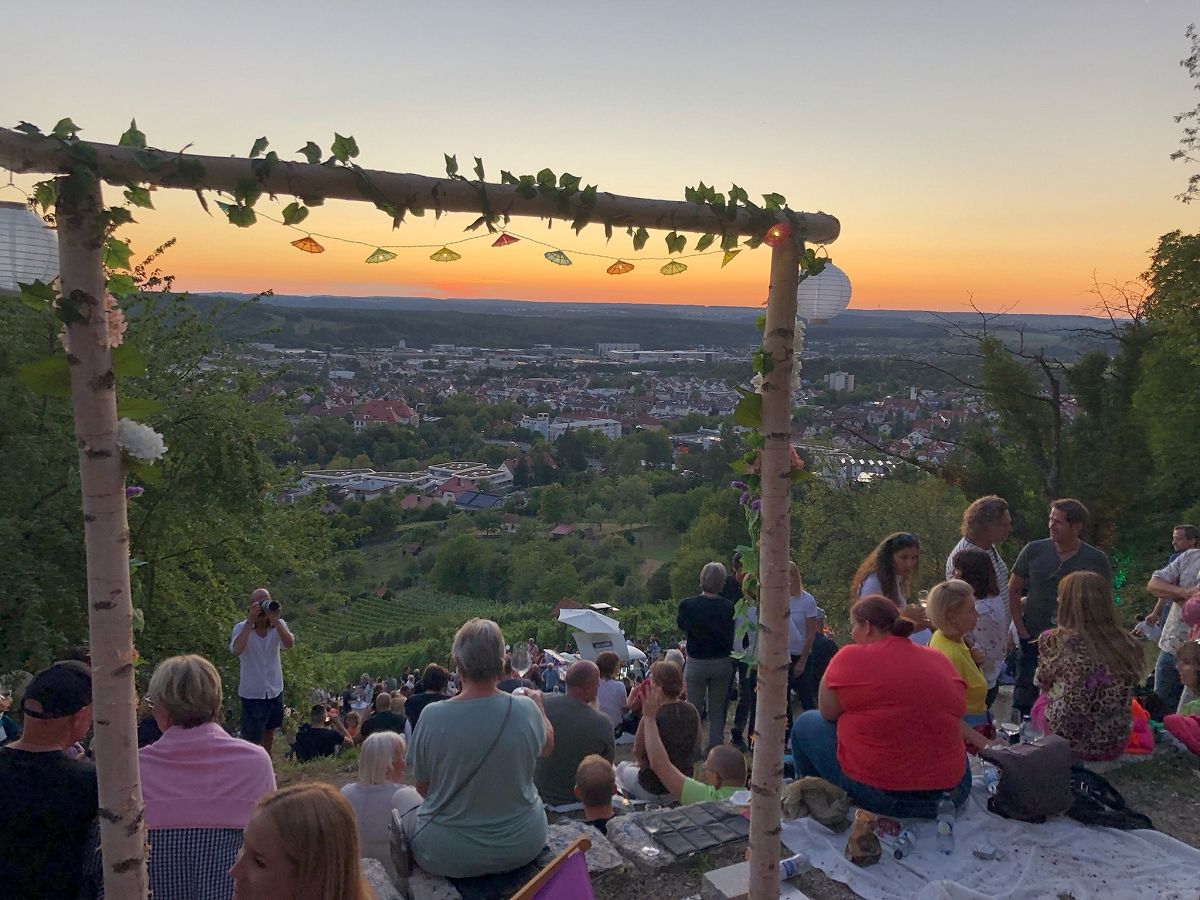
column 757, row 383
column 140, row 442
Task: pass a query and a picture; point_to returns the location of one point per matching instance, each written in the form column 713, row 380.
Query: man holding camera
column 256, row 643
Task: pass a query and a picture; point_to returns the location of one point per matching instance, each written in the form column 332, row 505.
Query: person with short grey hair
column 473, row 760
column 707, row 621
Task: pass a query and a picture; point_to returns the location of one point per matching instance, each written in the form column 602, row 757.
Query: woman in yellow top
column 951, row 610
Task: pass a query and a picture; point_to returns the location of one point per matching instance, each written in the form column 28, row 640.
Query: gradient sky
column 1009, row 152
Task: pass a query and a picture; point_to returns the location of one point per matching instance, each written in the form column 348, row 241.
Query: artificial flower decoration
column 380, row 255
column 504, row 240
column 445, row 255
column 115, row 317
column 728, row 257
column 620, row 267
column 140, row 442
column 777, row 234
column 308, row 245
column 558, row 258
column 673, row 268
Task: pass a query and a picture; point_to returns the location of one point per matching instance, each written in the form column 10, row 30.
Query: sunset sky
column 1010, row 152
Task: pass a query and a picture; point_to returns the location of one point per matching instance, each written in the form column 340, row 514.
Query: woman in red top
column 887, row 725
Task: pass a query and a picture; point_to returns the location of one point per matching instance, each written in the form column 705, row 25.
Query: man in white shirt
column 256, row 642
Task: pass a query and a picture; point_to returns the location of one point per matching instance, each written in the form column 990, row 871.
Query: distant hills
column 327, row 321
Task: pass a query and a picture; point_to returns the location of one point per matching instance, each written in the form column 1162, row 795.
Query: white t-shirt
column 800, row 610
column 611, row 699
column 373, row 805
column 261, row 669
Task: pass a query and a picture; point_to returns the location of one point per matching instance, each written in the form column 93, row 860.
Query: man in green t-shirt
column 724, row 769
column 1040, row 566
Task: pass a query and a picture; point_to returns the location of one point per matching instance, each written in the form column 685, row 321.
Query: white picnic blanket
column 1057, row 858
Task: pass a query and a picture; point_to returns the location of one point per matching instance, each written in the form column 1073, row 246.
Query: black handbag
column 1035, row 779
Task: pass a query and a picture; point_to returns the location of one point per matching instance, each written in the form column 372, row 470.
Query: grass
column 1164, row 788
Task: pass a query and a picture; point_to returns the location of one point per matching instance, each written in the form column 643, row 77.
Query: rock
column 602, row 858
column 377, row 876
column 423, row 886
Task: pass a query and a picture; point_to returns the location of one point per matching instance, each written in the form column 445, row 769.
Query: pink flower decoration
column 116, row 321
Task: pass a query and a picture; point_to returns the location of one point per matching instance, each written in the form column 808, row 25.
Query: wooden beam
column 118, row 165
column 106, row 539
column 766, row 779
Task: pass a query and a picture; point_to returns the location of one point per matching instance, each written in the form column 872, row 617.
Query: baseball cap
column 59, row 691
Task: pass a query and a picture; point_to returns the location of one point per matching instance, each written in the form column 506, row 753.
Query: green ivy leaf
column 451, row 165
column 49, row 376
column 117, row 216
column 70, row 309
column 545, row 178
column 117, row 253
column 137, row 408
column 748, row 411
column 262, row 167
column 479, row 169
column 145, row 472
column 705, row 242
column 760, row 321
column 774, row 201
column 761, row 361
column 27, row 128
column 38, row 295
column 247, row 191
column 314, row 200
column 241, row 216
column 147, row 160
column 128, row 362
column 121, row 286
column 676, row 242
column 753, row 241
column 190, row 171
column 138, row 195
column 729, row 241
column 569, row 182
column 736, row 195
column 259, row 146
column 507, row 177
column 639, row 238
column 343, row 149
column 65, row 129
column 132, row 137
column 608, row 231
column 311, row 152
column 45, row 194
column 527, row 188
column 295, row 213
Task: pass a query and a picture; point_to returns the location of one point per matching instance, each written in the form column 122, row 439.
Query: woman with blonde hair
column 199, row 784
column 952, row 612
column 301, row 844
column 1088, row 667
column 379, row 791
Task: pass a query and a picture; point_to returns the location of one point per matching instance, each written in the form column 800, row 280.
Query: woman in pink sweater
column 199, row 784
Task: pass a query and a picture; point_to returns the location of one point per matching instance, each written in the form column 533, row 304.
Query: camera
column 273, row 605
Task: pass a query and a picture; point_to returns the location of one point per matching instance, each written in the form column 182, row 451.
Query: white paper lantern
column 821, row 297
column 28, row 247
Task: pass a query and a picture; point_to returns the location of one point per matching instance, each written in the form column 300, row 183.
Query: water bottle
column 1027, row 735
column 945, row 824
column 991, row 779
column 792, row 866
column 904, row 844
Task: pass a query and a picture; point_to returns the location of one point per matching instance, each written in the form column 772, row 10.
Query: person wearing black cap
column 50, row 800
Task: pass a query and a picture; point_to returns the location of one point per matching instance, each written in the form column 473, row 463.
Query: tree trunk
column 106, row 539
column 774, row 547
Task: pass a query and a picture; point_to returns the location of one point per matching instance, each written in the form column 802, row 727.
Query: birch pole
column 774, row 547
column 106, row 538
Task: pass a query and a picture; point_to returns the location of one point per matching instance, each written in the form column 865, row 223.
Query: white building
column 839, row 381
column 552, row 430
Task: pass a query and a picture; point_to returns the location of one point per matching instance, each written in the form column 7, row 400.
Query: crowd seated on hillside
column 456, row 767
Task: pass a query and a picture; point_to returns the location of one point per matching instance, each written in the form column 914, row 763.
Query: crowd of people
column 457, row 767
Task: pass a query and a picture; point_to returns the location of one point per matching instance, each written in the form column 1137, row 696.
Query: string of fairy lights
column 554, row 254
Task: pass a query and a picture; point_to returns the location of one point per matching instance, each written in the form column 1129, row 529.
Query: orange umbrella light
column 504, row 240
column 308, row 245
column 673, row 268
column 445, row 255
column 620, row 267
column 728, row 257
column 380, row 255
column 558, row 258
column 777, row 234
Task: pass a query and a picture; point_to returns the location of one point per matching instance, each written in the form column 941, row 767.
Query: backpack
column 1094, row 801
column 1034, row 779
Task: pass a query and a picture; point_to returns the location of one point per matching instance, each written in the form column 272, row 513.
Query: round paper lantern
column 28, row 247
column 821, row 297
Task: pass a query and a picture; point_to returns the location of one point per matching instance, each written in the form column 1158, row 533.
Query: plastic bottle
column 904, row 844
column 991, row 779
column 945, row 824
column 792, row 866
column 1027, row 734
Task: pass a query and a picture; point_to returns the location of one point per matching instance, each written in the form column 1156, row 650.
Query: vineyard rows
column 398, row 613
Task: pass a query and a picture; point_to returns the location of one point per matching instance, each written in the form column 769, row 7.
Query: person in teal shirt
column 724, row 768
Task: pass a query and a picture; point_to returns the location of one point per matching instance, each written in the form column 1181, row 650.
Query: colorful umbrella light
column 620, row 267
column 728, row 257
column 504, row 240
column 380, row 255
column 308, row 245
column 558, row 258
column 673, row 268
column 445, row 255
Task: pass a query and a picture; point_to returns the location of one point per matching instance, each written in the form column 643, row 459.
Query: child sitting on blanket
column 1185, row 725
